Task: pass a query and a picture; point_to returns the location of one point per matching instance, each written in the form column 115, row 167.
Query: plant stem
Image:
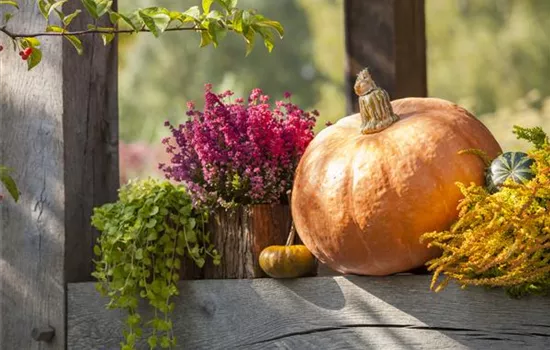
column 292, row 234
column 89, row 31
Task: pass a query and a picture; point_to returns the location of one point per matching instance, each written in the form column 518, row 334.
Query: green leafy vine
column 146, row 236
column 212, row 23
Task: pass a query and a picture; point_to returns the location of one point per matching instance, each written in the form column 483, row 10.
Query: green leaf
column 214, row 15
column 165, row 342
column 153, row 235
column 249, row 36
column 91, row 7
column 132, row 20
column 52, row 28
column 9, row 183
column 206, row 5
column 55, row 5
column 139, row 254
column 205, row 38
column 228, row 5
column 69, row 18
column 238, row 22
column 103, row 6
column 97, row 8
column 73, row 39
column 34, row 59
column 107, row 38
column 193, row 12
column 152, row 341
column 30, row 42
column 267, row 35
column 200, row 262
column 151, row 223
column 97, row 250
column 154, row 210
column 155, row 19
column 44, row 8
column 12, row 3
column 247, row 18
column 272, row 24
column 191, row 236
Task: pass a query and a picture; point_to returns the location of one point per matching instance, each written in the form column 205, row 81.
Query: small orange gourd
column 289, row 260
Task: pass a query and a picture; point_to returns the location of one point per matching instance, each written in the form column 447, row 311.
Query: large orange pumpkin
column 370, row 185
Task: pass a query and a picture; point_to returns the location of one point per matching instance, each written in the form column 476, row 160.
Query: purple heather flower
column 238, row 153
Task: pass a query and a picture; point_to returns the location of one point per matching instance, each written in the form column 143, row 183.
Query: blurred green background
column 491, row 56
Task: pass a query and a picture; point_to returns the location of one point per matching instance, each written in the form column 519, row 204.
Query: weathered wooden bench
column 339, row 312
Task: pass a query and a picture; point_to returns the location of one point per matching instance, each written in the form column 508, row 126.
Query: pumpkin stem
column 374, row 104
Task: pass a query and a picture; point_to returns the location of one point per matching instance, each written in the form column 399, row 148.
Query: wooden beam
column 350, row 312
column 90, row 124
column 58, row 131
column 388, row 37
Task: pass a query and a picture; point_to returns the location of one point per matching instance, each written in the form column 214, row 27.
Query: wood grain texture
column 344, row 312
column 90, row 124
column 32, row 230
column 241, row 234
column 58, row 131
column 388, row 37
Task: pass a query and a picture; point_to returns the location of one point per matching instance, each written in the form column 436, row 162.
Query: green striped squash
column 509, row 165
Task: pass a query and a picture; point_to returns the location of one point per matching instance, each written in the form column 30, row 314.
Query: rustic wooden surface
column 31, row 231
column 90, row 121
column 344, row 312
column 241, row 234
column 388, row 37
column 57, row 124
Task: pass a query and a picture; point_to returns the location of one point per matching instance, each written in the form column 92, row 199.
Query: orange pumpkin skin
column 361, row 202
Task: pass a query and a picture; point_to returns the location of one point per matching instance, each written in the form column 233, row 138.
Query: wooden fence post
column 59, row 132
column 388, row 36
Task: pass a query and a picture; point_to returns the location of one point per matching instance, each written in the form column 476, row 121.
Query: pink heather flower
column 237, row 153
column 287, row 95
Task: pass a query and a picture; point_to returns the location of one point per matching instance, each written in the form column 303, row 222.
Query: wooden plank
column 31, row 231
column 344, row 312
column 90, row 122
column 57, row 124
column 388, row 37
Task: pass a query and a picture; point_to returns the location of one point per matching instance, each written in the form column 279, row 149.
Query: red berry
column 24, row 58
column 27, row 51
column 21, row 53
column 1, row 47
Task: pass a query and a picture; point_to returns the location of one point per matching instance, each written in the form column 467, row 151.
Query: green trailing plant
column 211, row 21
column 145, row 237
column 500, row 239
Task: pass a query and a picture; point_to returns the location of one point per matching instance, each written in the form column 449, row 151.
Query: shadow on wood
column 344, row 312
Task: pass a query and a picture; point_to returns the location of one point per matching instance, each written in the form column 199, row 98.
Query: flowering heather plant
column 235, row 153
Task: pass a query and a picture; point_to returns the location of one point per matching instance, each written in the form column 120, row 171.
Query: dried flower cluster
column 238, row 153
column 500, row 239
